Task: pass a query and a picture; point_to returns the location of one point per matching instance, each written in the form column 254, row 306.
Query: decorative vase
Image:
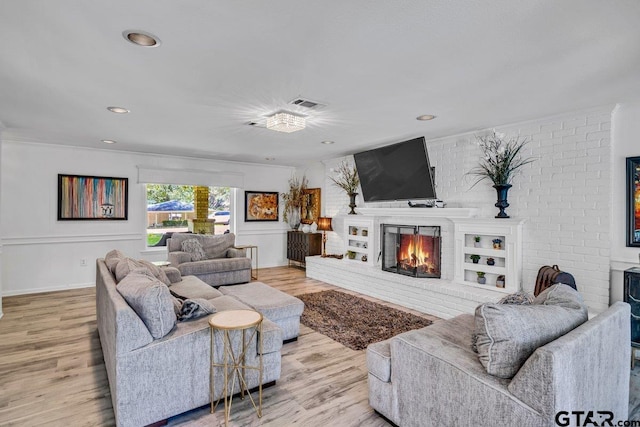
column 502, row 203
column 293, row 218
column 475, row 261
column 313, row 227
column 352, row 203
column 490, row 262
column 306, row 228
column 482, row 280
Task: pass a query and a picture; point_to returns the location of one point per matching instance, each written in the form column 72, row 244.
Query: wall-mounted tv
column 396, row 172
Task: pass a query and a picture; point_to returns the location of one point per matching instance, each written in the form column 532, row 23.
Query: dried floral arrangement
column 294, row 198
column 347, row 178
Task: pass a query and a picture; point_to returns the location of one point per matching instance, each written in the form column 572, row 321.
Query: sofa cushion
column 518, row 298
column 219, row 265
column 127, row 265
column 151, row 300
column 194, row 308
column 193, row 248
column 509, row 334
column 226, row 302
column 192, row 287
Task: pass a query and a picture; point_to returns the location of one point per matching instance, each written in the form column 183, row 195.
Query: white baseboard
column 47, row 289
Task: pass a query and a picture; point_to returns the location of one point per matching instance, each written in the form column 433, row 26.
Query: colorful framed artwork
column 260, row 206
column 82, row 197
column 310, row 210
column 633, row 201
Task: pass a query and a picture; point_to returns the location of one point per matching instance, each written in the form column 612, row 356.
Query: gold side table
column 254, row 272
column 233, row 362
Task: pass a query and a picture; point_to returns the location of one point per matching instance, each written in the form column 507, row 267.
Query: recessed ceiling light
column 328, row 142
column 108, row 141
column 118, row 110
column 141, row 38
column 269, row 158
column 426, row 117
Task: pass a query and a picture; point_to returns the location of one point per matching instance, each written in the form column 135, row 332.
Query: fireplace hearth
column 411, row 250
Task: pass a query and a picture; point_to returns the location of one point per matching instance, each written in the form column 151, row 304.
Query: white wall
column 1, row 312
column 626, row 143
column 42, row 253
column 564, row 195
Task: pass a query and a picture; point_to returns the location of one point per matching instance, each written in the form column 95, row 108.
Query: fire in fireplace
column 411, row 250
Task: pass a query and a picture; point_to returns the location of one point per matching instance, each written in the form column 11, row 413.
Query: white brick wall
column 564, row 195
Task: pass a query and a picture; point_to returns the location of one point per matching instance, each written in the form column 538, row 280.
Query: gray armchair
column 223, row 264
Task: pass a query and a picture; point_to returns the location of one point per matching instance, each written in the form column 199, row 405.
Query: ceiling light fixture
column 285, row 122
column 426, row 117
column 118, row 110
column 328, row 142
column 108, row 141
column 141, row 38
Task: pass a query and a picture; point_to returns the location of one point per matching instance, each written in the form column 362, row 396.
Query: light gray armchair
column 223, row 264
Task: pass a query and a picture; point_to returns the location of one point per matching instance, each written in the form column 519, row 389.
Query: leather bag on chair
column 550, row 275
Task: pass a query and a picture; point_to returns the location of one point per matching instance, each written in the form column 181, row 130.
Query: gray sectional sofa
column 432, row 376
column 215, row 261
column 152, row 379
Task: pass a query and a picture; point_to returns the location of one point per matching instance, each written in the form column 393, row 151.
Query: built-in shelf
column 358, row 235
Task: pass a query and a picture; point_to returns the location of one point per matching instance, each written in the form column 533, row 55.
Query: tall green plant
column 501, row 158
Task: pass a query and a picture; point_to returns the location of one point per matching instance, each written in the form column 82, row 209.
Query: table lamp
column 324, row 225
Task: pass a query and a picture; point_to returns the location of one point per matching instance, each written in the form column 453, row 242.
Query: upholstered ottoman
column 282, row 309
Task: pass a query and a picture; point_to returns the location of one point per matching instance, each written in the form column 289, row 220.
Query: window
column 170, row 207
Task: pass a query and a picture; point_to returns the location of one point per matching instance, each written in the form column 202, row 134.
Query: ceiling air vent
column 306, row 103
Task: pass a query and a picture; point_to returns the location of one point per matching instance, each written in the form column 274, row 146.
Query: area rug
column 355, row 322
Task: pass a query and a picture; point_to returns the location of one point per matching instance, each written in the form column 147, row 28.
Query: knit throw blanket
column 195, row 308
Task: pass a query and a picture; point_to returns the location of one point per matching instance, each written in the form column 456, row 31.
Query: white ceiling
column 376, row 64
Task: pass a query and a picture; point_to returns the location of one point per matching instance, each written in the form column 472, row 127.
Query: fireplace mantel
column 447, row 213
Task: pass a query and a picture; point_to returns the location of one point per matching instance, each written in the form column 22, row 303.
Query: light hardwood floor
column 52, row 372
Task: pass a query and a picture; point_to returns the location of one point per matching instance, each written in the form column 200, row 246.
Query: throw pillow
column 194, row 248
column 508, row 334
column 518, row 298
column 112, row 258
column 217, row 246
column 151, row 300
column 195, row 308
column 127, row 265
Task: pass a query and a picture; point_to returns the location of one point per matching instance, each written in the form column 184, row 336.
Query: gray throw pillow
column 112, row 258
column 518, row 298
column 127, row 265
column 509, row 334
column 218, row 246
column 194, row 248
column 151, row 300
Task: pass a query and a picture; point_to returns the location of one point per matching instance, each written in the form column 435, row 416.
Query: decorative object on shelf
column 324, row 225
column 500, row 281
column 83, row 197
column 293, row 200
column 261, row 206
column 500, row 160
column 351, row 255
column 491, row 261
column 313, row 227
column 475, row 258
column 364, row 258
column 310, row 208
column 305, row 228
column 354, row 231
column 349, row 181
column 633, row 202
column 364, row 232
column 481, row 279
column 497, row 244
column 476, row 242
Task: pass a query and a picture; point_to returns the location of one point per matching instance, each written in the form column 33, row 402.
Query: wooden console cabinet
column 301, row 245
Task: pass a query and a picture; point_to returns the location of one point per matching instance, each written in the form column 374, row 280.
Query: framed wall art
column 260, row 206
column 633, row 201
column 82, row 197
column 310, row 210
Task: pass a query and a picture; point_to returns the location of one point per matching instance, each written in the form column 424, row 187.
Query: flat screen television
column 396, row 172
